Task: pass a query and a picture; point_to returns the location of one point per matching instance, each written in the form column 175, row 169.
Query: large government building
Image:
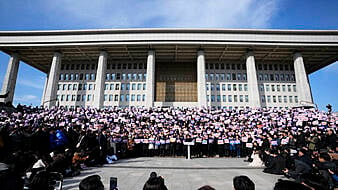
column 223, row 68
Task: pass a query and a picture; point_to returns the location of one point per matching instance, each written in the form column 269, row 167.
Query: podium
column 188, row 148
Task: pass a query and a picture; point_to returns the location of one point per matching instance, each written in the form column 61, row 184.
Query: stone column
column 53, row 78
column 150, row 82
column 254, row 100
column 302, row 83
column 9, row 82
column 44, row 90
column 100, row 80
column 201, row 84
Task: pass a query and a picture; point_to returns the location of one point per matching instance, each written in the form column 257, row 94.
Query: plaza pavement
column 179, row 173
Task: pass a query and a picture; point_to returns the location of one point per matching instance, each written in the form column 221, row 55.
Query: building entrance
column 175, row 82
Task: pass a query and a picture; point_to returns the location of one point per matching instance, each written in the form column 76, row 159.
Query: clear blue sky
column 88, row 14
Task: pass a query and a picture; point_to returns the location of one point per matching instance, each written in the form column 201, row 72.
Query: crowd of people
column 291, row 142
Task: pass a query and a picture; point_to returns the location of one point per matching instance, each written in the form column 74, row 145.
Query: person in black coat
column 275, row 163
column 331, row 140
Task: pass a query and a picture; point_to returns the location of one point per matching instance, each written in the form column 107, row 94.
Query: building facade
column 171, row 67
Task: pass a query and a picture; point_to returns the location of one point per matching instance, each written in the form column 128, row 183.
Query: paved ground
column 179, row 173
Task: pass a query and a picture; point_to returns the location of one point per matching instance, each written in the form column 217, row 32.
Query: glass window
column 244, row 76
column 127, row 86
column 116, row 98
column 212, row 87
column 89, row 97
column 212, row 98
column 228, row 76
column 118, row 76
column 92, row 76
column 223, row 87
column 239, row 76
column 66, row 77
column 111, row 86
column 263, row 98
column 280, row 99
column 277, row 77
column 105, row 97
column 144, row 76
column 216, row 76
column 84, row 97
column 290, row 99
column 138, row 97
column 278, row 88
column 261, row 87
column 139, row 86
column 123, row 86
column 59, row 86
column 283, row 88
column 287, row 77
column 296, row 99
column 240, row 98
column 70, row 86
column 245, row 87
column 106, row 86
column 235, row 98
column 272, row 88
column 76, row 76
column 133, row 86
column 268, row 98
column 267, row 88
column 80, row 86
column 128, row 76
column 234, row 87
column 282, row 77
column 222, row 76
column 87, row 76
column 71, row 76
column 218, row 98
column 211, row 76
column 285, row 99
column 208, row 98
column 274, row 99
column 140, row 76
column 229, row 98
column 144, row 86
column 229, row 87
column 81, row 76
column 260, row 77
column 133, row 97
column 90, row 87
column 289, row 88
column 143, row 97
column 240, row 87
column 233, row 76
column 134, row 76
column 64, row 87
column 206, row 77
column 113, row 76
column 207, row 86
column 117, row 87
column 224, row 98
column 124, row 76
column 78, row 98
column 110, row 97
column 294, row 88
column 62, row 97
column 121, row 97
column 127, row 97
column 217, row 87
column 266, row 77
